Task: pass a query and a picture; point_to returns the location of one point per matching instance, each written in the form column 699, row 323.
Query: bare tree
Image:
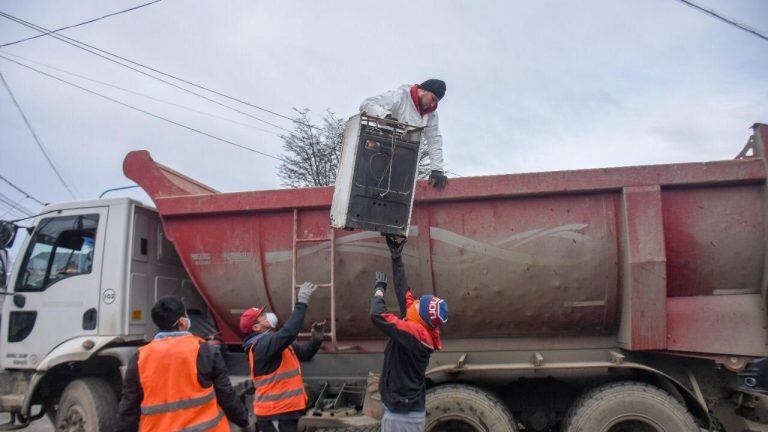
column 312, row 152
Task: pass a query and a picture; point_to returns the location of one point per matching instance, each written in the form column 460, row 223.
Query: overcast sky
column 532, row 86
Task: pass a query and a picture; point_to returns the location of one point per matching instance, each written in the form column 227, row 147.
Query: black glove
column 438, row 179
column 396, row 244
column 381, row 282
column 318, row 331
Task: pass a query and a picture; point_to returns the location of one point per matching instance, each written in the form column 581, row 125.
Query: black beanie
column 167, row 311
column 436, row 86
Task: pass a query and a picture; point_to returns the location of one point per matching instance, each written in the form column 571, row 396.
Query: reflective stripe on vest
column 175, row 406
column 209, row 425
column 278, row 396
column 281, row 391
column 273, row 378
column 173, row 398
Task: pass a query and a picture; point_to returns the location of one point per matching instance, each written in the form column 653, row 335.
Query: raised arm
column 396, row 245
column 275, row 342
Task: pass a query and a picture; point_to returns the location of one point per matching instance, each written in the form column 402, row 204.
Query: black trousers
column 282, row 425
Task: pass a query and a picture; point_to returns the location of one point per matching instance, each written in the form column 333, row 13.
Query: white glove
column 305, row 292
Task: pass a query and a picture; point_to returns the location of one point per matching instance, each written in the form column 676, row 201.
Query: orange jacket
column 173, row 399
column 281, row 391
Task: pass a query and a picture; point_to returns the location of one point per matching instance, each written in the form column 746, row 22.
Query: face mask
column 189, row 323
column 272, row 318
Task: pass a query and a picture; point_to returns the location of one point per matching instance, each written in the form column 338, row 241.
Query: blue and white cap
column 433, row 310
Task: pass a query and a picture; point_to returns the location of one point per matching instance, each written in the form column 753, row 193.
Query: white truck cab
column 78, row 306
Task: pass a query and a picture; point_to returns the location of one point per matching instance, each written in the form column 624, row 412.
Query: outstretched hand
column 381, row 283
column 305, row 292
column 318, row 331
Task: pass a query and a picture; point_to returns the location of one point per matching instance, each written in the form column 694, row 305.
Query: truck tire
column 87, row 405
column 463, row 408
column 628, row 406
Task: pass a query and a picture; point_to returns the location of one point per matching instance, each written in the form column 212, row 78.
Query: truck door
column 56, row 286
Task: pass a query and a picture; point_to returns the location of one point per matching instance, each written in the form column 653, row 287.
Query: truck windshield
column 60, row 248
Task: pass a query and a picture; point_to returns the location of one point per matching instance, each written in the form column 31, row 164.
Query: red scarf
column 415, row 99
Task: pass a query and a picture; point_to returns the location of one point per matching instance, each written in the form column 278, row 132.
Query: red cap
column 249, row 318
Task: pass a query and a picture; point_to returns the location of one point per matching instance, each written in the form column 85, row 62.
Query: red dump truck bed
column 664, row 257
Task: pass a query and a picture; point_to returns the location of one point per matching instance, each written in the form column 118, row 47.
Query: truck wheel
column 463, row 408
column 628, row 407
column 87, row 405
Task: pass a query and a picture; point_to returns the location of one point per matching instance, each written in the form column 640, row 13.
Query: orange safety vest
column 174, row 400
column 281, row 391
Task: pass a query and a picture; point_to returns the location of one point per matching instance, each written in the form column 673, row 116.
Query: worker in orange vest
column 177, row 381
column 274, row 356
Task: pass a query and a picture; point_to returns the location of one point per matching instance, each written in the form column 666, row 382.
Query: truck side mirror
column 7, row 234
column 3, row 268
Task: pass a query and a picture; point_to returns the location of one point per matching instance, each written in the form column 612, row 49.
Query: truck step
column 11, row 402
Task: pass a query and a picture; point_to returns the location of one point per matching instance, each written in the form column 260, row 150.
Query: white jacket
column 398, row 102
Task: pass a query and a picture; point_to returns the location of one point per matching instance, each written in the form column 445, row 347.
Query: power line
column 144, row 111
column 18, row 189
column 15, row 205
column 80, row 24
column 151, row 98
column 142, row 94
column 18, row 207
column 13, row 208
column 95, row 51
column 81, row 45
column 9, row 210
column 4, row 206
column 278, row 158
column 37, row 139
column 730, row 21
column 8, row 201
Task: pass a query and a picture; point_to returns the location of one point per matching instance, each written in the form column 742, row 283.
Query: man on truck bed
column 273, row 357
column 415, row 105
column 413, row 336
column 177, row 381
